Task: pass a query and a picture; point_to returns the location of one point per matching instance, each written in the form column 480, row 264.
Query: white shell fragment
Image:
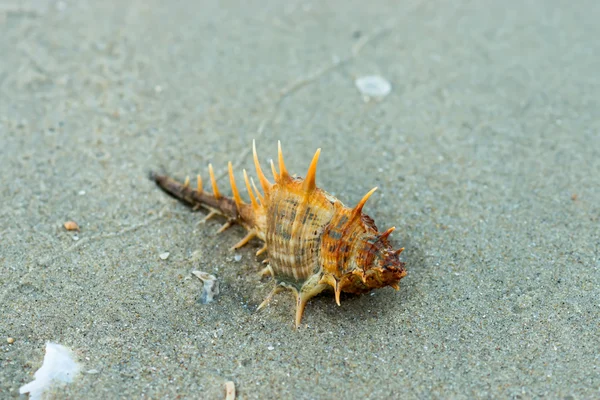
column 58, row 366
column 164, row 256
column 229, row 390
column 373, row 86
column 210, row 288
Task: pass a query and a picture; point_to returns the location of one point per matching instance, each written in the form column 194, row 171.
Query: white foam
column 58, row 366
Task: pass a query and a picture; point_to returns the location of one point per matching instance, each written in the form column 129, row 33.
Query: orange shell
column 313, row 241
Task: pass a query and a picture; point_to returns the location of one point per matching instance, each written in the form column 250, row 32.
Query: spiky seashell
column 312, row 240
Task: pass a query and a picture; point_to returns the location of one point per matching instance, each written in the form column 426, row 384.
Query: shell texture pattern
column 313, row 242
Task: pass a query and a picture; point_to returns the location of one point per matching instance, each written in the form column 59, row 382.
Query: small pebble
column 71, row 226
column 237, row 257
column 10, row 340
column 164, row 256
column 81, row 192
column 75, row 237
column 229, row 390
column 93, row 371
column 270, row 348
column 373, row 86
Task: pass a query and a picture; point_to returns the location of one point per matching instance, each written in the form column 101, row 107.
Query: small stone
column 229, row 390
column 81, row 192
column 164, row 256
column 237, row 257
column 10, row 340
column 75, row 237
column 93, row 371
column 71, row 226
column 373, row 86
column 270, row 348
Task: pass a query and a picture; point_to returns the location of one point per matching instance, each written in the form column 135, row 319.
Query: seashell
column 312, row 241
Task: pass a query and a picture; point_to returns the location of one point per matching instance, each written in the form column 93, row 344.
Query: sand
column 486, row 153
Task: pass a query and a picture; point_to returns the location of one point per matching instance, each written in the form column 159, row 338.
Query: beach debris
column 373, row 86
column 71, row 226
column 10, row 340
column 237, row 257
column 92, row 372
column 58, row 366
column 229, row 390
column 164, row 256
column 210, row 288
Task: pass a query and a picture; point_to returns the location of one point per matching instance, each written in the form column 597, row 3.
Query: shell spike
column 399, row 251
column 266, row 301
column 282, row 170
column 186, row 184
column 234, row 189
column 387, row 233
column 358, row 209
column 260, row 197
column 338, row 290
column 213, row 181
column 331, row 281
column 310, row 183
column 301, row 300
column 261, row 250
column 264, row 182
column 225, row 226
column 249, row 236
column 274, row 171
column 250, row 192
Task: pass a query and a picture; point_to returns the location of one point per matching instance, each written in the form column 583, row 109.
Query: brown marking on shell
column 313, row 241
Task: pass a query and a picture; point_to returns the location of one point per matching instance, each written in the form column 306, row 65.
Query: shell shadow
column 380, row 304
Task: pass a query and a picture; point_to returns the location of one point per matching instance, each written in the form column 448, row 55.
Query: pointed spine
column 264, row 182
column 310, row 183
column 387, row 233
column 258, row 195
column 283, row 173
column 356, row 211
column 274, row 171
column 234, row 189
column 249, row 189
column 213, row 181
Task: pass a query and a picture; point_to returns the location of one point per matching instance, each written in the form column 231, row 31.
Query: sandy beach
column 486, row 153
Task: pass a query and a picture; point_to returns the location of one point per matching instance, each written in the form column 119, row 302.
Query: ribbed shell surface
column 295, row 224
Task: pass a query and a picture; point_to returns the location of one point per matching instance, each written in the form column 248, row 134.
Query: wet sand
column 486, row 153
